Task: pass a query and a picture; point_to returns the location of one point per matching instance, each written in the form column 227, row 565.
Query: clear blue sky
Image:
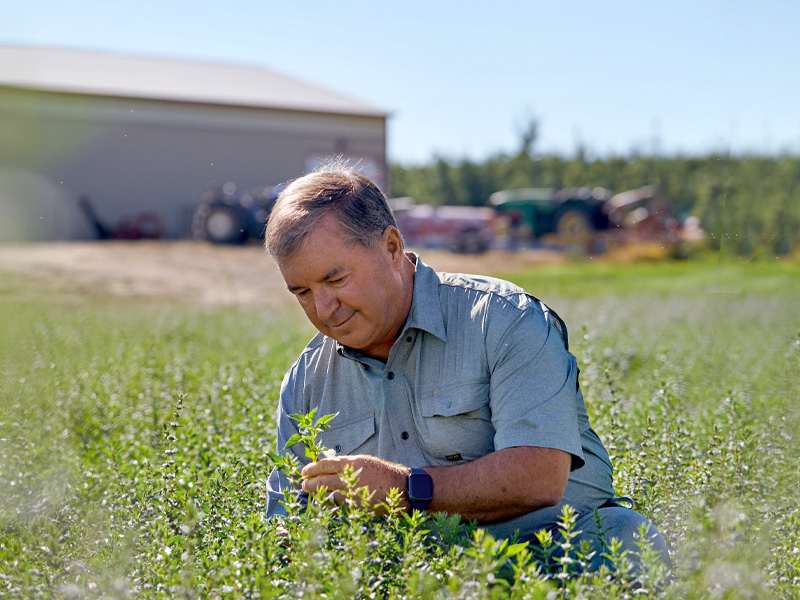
column 460, row 77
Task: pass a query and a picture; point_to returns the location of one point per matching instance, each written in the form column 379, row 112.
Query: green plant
column 693, row 393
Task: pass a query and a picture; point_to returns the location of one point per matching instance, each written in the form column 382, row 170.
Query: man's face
column 356, row 295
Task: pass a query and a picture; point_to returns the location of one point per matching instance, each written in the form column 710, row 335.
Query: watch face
column 420, row 487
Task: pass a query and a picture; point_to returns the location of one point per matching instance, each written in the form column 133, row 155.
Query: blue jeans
column 618, row 522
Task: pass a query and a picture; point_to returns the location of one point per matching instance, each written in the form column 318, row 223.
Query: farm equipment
column 572, row 215
column 591, row 219
column 227, row 217
column 643, row 213
column 139, row 226
column 460, row 229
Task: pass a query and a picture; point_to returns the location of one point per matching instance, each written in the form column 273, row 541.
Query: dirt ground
column 191, row 271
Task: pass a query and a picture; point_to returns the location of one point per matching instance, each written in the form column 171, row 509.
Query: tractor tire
column 574, row 226
column 221, row 224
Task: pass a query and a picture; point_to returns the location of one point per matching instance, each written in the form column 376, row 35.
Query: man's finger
column 321, row 467
column 332, row 482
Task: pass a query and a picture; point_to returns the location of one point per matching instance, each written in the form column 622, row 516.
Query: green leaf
column 293, row 440
column 305, row 420
column 325, row 419
column 515, row 549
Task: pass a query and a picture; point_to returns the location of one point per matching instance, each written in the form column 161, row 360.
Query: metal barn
column 143, row 135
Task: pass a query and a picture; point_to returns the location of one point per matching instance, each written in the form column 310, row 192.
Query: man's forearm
column 504, row 484
column 501, row 485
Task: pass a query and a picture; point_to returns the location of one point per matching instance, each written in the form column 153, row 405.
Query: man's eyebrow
column 332, row 274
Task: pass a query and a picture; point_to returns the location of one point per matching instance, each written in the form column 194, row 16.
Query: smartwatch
column 420, row 489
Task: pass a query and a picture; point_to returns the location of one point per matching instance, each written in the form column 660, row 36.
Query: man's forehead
column 304, row 271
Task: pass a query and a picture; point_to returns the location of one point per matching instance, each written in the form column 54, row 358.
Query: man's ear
column 393, row 242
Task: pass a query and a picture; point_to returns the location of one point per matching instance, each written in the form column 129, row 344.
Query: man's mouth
column 338, row 325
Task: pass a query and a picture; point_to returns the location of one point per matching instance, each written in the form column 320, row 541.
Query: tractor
column 570, row 215
column 228, row 217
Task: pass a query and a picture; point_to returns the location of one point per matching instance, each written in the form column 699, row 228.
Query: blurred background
column 574, row 126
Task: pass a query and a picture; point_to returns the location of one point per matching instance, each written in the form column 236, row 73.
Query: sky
column 461, row 79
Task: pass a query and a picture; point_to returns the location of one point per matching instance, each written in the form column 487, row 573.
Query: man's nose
column 325, row 303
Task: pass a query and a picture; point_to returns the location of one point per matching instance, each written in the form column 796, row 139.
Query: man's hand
column 375, row 474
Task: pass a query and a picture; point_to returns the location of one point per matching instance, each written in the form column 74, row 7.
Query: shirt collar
column 426, row 309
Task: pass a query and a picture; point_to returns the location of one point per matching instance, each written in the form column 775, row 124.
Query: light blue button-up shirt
column 479, row 366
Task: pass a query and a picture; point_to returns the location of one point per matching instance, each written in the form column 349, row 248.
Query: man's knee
column 625, row 525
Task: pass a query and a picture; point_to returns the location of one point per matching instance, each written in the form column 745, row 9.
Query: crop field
column 134, row 435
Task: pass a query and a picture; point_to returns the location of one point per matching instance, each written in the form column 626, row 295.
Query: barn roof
column 102, row 74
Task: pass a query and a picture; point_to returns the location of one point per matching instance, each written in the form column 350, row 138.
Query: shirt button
column 338, row 448
column 390, row 375
column 409, row 339
column 404, row 435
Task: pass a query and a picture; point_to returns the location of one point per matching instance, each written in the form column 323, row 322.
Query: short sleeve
column 534, row 393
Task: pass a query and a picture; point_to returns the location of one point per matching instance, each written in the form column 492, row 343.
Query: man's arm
column 501, row 485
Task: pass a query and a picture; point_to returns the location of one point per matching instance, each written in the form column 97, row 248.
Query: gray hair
column 337, row 189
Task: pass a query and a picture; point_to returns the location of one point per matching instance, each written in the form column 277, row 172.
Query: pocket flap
column 462, row 399
column 345, row 438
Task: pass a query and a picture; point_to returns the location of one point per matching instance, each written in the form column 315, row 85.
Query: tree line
column 751, row 200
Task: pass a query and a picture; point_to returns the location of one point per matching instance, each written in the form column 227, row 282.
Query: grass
column 133, row 442
column 590, row 279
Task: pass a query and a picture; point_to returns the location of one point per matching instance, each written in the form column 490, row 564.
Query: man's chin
column 350, row 339
column 351, row 342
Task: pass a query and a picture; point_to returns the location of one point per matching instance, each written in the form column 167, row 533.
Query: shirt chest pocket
column 349, row 438
column 456, row 423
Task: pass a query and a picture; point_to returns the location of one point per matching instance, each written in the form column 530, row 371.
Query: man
column 457, row 390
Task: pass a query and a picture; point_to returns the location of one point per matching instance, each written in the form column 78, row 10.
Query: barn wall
column 131, row 156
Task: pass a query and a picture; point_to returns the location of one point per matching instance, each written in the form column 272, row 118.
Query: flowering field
column 134, row 439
